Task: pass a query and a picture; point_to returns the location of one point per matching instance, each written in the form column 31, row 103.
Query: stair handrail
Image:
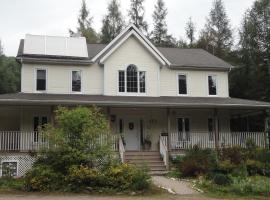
column 121, row 149
column 163, row 149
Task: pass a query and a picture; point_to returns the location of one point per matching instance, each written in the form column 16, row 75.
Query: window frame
column 187, row 85
column 76, row 92
column 187, row 137
column 35, row 80
column 207, row 84
column 125, row 93
column 11, row 160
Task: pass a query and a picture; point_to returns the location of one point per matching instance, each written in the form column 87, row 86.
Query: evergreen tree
column 113, row 22
column 217, row 32
column 136, row 14
column 190, row 32
column 85, row 25
column 251, row 79
column 159, row 34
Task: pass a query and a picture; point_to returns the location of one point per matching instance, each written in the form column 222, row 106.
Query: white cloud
column 55, row 17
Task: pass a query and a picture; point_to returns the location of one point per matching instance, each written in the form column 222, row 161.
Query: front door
column 131, row 134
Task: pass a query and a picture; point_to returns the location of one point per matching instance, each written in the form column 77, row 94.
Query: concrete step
column 142, row 153
column 142, row 157
column 150, row 159
column 158, row 173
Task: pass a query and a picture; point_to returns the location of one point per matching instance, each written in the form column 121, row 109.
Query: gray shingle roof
column 67, row 99
column 177, row 56
column 192, row 57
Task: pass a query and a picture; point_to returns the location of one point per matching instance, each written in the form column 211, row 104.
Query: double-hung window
column 182, row 84
column 183, row 129
column 212, row 85
column 41, row 79
column 131, row 80
column 76, row 81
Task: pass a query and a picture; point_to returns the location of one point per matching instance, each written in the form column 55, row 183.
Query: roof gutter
column 60, row 61
column 193, row 67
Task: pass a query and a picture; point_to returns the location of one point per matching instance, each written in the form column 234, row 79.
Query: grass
column 9, row 184
column 254, row 187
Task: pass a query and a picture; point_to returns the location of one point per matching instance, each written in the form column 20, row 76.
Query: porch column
column 169, row 128
column 216, row 129
column 109, row 117
column 52, row 115
column 267, row 129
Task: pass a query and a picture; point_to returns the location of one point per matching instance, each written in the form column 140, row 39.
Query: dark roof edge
column 173, row 66
column 22, row 59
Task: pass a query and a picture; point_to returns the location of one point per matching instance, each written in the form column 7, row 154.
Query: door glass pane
column 180, row 128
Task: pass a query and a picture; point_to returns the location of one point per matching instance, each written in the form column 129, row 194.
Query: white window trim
column 187, row 83
column 35, row 80
column 75, row 92
column 138, row 84
column 11, row 160
column 207, row 84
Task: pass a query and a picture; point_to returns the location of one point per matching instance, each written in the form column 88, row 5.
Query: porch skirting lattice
column 24, row 161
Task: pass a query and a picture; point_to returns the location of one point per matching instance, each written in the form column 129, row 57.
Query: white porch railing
column 207, row 140
column 121, row 149
column 163, row 149
column 33, row 141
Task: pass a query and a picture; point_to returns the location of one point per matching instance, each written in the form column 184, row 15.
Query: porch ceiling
column 128, row 101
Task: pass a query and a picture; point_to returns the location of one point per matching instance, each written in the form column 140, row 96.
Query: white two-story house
column 158, row 99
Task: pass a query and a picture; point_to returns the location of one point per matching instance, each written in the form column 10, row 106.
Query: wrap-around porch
column 140, row 129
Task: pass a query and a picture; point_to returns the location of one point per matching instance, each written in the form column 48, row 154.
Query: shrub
column 221, row 179
column 11, row 183
column 198, row 161
column 234, row 154
column 119, row 178
column 43, row 178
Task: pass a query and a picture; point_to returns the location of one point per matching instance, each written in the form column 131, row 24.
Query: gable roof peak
column 130, row 30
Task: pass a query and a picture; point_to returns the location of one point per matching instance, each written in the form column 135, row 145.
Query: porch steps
column 150, row 159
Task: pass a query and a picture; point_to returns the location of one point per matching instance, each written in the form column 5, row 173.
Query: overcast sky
column 55, row 17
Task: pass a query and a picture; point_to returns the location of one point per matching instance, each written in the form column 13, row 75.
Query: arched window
column 132, row 79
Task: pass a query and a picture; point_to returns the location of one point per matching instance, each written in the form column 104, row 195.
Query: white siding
column 160, row 81
column 197, row 83
column 131, row 52
column 59, row 78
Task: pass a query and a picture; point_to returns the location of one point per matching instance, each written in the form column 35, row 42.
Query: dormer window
column 131, row 80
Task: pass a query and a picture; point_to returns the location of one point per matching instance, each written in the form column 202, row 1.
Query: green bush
column 234, row 154
column 7, row 183
column 222, row 179
column 119, row 178
column 43, row 178
column 255, row 185
column 198, row 161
